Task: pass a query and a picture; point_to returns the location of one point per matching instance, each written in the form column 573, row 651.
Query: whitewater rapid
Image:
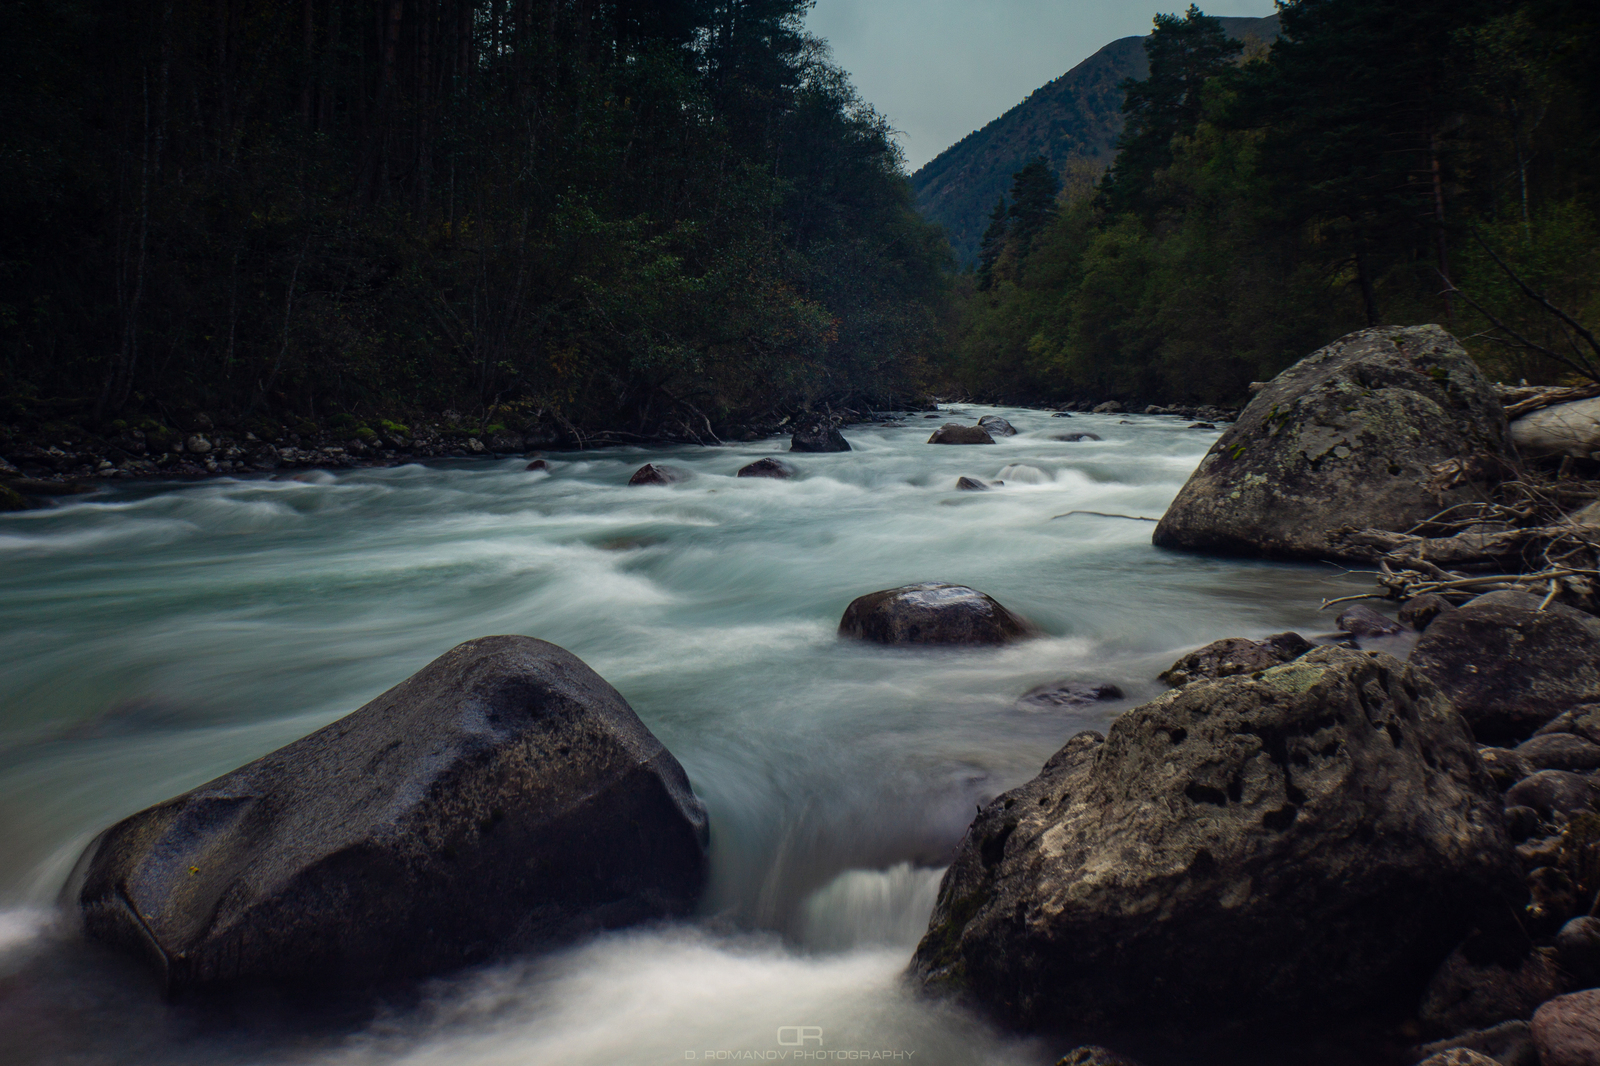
column 158, row 635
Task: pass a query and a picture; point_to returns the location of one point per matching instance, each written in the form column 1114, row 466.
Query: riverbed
column 160, row 634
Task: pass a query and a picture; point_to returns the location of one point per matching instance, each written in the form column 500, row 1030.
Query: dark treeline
column 1370, row 168
column 632, row 214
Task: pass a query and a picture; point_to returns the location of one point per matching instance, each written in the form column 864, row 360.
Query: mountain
column 1076, row 117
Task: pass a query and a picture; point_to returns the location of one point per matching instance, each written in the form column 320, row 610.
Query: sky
column 939, row 69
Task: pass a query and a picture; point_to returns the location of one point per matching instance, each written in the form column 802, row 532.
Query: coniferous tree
column 994, row 242
column 1034, row 189
column 1184, row 54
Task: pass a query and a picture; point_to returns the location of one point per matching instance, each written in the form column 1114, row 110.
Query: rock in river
column 1510, row 667
column 503, row 797
column 658, row 474
column 1353, row 435
column 1301, row 848
column 931, row 613
column 997, row 426
column 818, row 437
column 956, row 433
column 769, row 467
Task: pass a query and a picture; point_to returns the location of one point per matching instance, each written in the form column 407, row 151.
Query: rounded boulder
column 1359, row 434
column 931, row 613
column 502, row 798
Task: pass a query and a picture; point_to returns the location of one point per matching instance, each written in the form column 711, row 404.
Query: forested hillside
column 1073, row 122
column 626, row 213
column 1386, row 162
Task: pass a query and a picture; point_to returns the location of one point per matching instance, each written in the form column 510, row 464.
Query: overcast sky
column 940, row 69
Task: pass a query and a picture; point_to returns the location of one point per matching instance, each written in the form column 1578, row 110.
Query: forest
column 630, row 214
column 1382, row 163
column 666, row 218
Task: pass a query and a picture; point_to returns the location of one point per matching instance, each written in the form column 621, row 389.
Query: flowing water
column 157, row 635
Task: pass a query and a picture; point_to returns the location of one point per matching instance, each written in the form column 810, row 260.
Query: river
column 160, row 634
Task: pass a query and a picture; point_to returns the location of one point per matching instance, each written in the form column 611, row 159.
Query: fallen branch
column 1102, row 514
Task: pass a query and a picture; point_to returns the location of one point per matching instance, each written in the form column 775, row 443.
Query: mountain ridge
column 1074, row 117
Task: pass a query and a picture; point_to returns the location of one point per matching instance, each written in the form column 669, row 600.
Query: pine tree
column 1184, row 54
column 1034, row 189
column 994, row 242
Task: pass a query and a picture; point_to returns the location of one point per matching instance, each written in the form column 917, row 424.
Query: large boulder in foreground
column 931, row 613
column 1354, row 435
column 1291, row 847
column 1508, row 666
column 503, row 797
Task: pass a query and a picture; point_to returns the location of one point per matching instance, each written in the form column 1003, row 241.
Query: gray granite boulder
column 504, row 797
column 1359, row 434
column 955, row 433
column 1290, row 849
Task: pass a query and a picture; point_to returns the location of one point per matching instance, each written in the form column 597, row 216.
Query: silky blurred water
column 157, row 635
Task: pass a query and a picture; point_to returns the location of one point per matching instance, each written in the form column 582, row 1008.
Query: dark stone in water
column 1419, row 611
column 818, row 437
column 773, row 468
column 1361, row 621
column 1068, row 694
column 971, row 484
column 997, row 426
column 502, row 798
column 931, row 613
column 538, row 464
column 1073, row 438
column 658, row 474
column 955, row 433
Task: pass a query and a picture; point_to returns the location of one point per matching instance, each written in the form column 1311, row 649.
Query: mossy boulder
column 1382, row 429
column 1297, row 847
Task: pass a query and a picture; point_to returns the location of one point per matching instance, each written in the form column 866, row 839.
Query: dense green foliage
column 1369, row 168
column 624, row 213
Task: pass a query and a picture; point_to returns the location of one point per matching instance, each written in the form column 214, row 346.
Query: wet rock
column 538, row 464
column 1024, row 474
column 1215, row 833
column 1236, row 655
column 658, row 474
column 971, row 484
column 955, row 433
column 1578, row 951
column 1560, row 751
column 1566, row 1030
column 1479, row 986
column 1068, row 694
column 197, row 445
column 1110, row 407
column 476, row 446
column 1504, row 765
column 12, row 500
column 931, row 613
column 1583, row 721
column 1510, row 667
column 1347, row 437
column 1062, row 414
column 503, row 797
column 1203, row 425
column 1073, row 438
column 1361, row 621
column 1419, row 611
column 1522, row 823
column 1554, row 899
column 997, row 426
column 1538, row 851
column 771, row 468
column 818, row 437
column 1553, row 792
